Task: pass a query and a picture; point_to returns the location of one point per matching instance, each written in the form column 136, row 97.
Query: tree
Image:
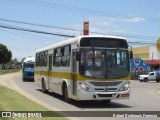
column 5, row 54
column 15, row 60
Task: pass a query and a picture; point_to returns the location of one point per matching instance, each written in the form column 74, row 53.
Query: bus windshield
column 104, row 63
column 29, row 65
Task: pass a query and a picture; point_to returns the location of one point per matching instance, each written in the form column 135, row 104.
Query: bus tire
column 43, row 87
column 23, row 79
column 65, row 93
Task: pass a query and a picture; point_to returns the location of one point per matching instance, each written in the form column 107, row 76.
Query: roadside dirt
column 6, row 79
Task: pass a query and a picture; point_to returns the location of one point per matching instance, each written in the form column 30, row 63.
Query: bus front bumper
column 28, row 77
column 83, row 95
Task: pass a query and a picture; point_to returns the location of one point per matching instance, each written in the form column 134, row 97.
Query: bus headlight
column 126, row 86
column 85, row 87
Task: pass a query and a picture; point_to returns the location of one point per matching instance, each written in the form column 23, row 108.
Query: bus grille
column 31, row 74
column 106, row 83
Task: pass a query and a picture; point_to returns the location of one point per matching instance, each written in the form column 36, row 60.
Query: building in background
column 138, row 67
column 150, row 54
column 141, row 52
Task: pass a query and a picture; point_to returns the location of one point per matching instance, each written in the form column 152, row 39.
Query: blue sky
column 129, row 18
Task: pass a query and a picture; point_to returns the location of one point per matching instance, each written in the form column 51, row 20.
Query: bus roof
column 29, row 59
column 76, row 39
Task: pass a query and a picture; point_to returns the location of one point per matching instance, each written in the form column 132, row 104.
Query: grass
column 11, row 100
column 2, row 72
column 7, row 72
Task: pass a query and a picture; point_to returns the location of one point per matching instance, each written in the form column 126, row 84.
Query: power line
column 42, row 32
column 40, row 25
column 25, row 34
column 80, row 10
column 78, row 30
column 34, row 31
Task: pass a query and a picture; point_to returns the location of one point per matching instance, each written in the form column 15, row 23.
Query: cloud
column 106, row 25
column 134, row 19
column 102, row 21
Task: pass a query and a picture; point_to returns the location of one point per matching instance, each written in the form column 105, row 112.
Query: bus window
column 99, row 63
column 58, row 57
column 66, row 56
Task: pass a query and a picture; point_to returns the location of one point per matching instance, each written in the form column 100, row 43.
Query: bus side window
column 37, row 59
column 66, row 56
column 45, row 58
column 57, row 56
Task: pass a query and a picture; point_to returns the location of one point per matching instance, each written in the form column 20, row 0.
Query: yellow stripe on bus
column 69, row 76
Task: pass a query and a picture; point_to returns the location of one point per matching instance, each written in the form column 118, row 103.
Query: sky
column 136, row 20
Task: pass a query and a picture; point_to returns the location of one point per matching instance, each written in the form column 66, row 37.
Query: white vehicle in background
column 152, row 76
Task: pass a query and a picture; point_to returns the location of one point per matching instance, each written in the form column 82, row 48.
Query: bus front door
column 74, row 72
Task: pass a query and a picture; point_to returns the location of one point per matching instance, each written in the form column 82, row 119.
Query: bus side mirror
column 77, row 56
column 131, row 54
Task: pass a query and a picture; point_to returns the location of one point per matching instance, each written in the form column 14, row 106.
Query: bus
column 85, row 68
column 28, row 69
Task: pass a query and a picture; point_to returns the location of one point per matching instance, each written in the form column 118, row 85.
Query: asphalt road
column 144, row 97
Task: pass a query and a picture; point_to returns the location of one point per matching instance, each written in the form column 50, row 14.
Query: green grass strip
column 11, row 100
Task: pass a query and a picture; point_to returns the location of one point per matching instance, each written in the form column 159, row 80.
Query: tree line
column 5, row 55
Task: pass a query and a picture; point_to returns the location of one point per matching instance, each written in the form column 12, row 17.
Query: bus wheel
column 23, row 79
column 43, row 87
column 65, row 93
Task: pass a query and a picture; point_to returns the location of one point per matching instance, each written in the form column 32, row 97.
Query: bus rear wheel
column 65, row 93
column 43, row 87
